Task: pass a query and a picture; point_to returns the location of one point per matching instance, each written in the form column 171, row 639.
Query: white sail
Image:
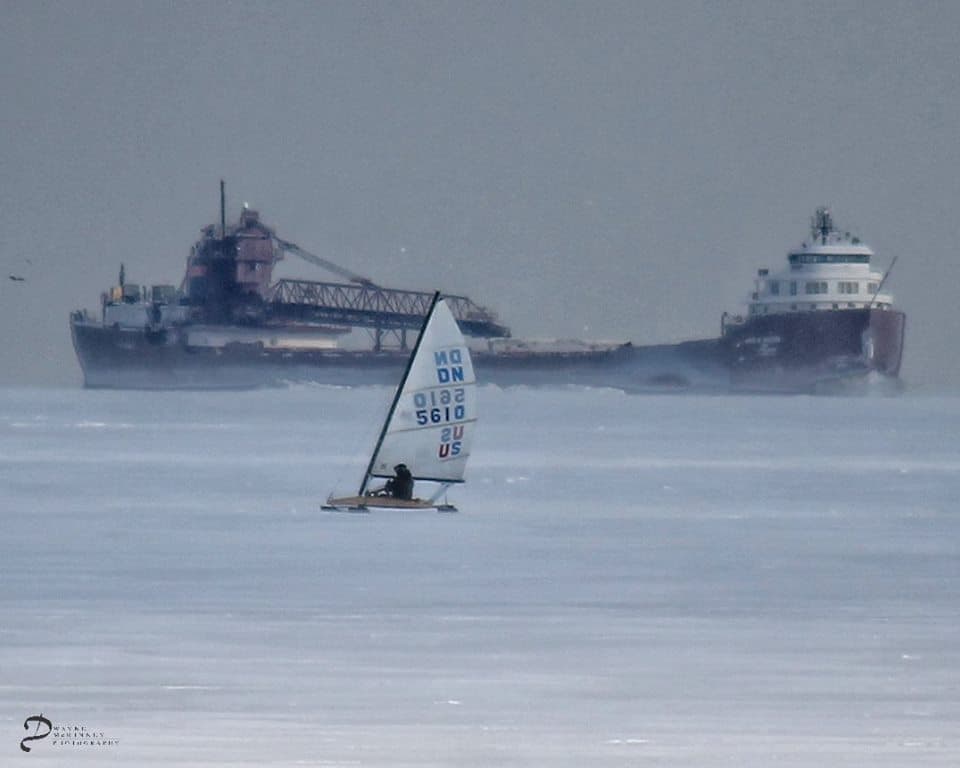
column 431, row 426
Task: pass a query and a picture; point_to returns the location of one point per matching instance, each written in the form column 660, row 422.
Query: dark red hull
column 800, row 352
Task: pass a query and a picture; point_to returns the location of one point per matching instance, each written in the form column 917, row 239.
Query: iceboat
column 429, row 427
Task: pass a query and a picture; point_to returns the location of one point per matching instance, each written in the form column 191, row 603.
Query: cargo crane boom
column 364, row 304
column 370, row 306
column 286, row 245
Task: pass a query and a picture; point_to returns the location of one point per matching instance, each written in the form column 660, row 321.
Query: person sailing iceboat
column 400, row 486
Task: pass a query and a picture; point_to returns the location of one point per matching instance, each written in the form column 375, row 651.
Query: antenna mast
column 822, row 224
column 223, row 210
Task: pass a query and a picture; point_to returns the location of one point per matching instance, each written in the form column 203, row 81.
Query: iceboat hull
column 367, row 503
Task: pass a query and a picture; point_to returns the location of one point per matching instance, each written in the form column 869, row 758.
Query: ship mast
column 822, row 224
column 223, row 210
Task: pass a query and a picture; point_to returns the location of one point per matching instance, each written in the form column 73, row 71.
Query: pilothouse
column 830, row 272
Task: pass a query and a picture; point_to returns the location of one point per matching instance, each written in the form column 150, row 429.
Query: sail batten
column 417, row 429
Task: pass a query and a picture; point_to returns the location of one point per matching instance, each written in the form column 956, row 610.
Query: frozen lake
column 670, row 581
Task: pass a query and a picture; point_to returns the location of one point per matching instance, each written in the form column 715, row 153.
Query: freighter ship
column 823, row 323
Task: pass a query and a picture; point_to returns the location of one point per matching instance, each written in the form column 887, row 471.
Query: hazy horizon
column 614, row 171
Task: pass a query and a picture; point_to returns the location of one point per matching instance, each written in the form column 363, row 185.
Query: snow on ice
column 631, row 580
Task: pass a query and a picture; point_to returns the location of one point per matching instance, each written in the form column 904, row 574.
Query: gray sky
column 611, row 170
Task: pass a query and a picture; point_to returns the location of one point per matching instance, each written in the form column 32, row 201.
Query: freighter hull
column 817, row 351
column 116, row 358
column 806, row 352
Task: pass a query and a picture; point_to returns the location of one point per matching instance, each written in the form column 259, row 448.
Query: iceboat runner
column 430, row 425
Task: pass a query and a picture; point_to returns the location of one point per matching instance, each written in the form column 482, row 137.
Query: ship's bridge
column 831, row 272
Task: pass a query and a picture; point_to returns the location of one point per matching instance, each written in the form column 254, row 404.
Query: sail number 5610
column 439, row 406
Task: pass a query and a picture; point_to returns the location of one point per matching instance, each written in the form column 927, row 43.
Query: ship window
column 828, row 258
column 872, row 287
column 774, row 287
column 852, row 305
column 793, row 288
column 848, row 287
column 815, row 287
column 836, row 306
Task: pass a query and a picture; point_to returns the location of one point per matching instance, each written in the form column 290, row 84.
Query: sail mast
column 396, row 397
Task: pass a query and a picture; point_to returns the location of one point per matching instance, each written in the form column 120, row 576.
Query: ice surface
column 671, row 581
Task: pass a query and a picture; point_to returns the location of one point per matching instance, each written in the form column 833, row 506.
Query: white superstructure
column 830, row 272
